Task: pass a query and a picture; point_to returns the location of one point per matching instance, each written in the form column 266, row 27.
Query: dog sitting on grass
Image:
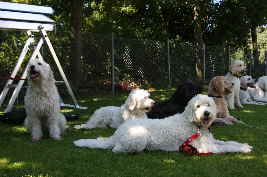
column 236, row 68
column 42, row 102
column 219, row 87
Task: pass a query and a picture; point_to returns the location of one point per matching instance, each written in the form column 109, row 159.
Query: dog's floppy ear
column 190, row 110
column 216, row 86
column 211, row 86
column 219, row 85
column 231, row 65
column 51, row 75
column 131, row 102
column 243, row 82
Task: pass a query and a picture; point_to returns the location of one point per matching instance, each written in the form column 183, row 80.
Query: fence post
column 204, row 61
column 169, row 63
column 113, row 64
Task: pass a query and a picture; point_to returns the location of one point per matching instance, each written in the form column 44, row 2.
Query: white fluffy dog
column 42, row 102
column 258, row 93
column 236, row 67
column 261, row 94
column 251, row 93
column 135, row 107
column 245, row 83
column 170, row 133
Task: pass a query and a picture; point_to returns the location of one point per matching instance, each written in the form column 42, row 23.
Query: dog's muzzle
column 251, row 85
column 148, row 108
column 207, row 118
column 33, row 73
column 228, row 90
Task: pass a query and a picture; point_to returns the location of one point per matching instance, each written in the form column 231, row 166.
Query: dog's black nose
column 233, row 84
column 32, row 67
column 206, row 113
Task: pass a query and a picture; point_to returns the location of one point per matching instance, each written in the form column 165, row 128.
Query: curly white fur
column 236, row 67
column 168, row 134
column 42, row 102
column 251, row 93
column 135, row 107
column 260, row 92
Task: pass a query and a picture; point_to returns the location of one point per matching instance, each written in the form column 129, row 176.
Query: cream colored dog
column 135, row 107
column 170, row 133
column 42, row 102
column 236, row 67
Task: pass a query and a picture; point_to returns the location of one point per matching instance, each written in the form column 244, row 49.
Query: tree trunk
column 255, row 52
column 76, row 43
column 249, row 62
column 227, row 54
column 198, row 35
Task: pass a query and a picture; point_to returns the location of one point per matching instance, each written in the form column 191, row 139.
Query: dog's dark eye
column 198, row 106
column 240, row 65
column 39, row 63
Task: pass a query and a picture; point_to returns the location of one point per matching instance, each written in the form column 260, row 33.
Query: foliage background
column 142, row 30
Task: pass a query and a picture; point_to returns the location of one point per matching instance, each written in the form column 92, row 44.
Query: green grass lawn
column 49, row 158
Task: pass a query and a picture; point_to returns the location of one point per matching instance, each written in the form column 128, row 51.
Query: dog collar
column 236, row 75
column 241, row 88
column 189, row 149
column 215, row 96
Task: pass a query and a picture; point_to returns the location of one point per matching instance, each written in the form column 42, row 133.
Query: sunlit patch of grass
column 16, row 165
column 19, row 129
column 248, row 111
column 3, row 161
column 96, row 99
column 169, row 161
column 161, row 97
column 247, row 157
column 66, row 110
column 264, row 158
column 40, row 175
column 83, row 101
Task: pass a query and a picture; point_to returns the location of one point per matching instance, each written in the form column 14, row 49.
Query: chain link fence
column 110, row 61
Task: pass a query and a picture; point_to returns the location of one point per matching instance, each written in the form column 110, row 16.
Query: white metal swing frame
column 29, row 18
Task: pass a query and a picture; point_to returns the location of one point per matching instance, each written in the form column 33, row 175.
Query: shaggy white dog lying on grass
column 170, row 133
column 260, row 91
column 250, row 92
column 42, row 102
column 135, row 107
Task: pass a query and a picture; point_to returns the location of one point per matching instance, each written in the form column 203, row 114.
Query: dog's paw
column 81, row 126
column 58, row 138
column 246, row 148
column 221, row 114
column 239, row 106
column 36, row 139
column 77, row 126
column 232, row 107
